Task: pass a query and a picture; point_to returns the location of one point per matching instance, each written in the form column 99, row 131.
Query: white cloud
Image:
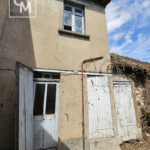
column 140, row 49
column 121, row 12
column 142, row 25
column 119, row 49
column 128, row 36
column 116, row 17
column 127, row 50
column 127, row 23
column 141, row 38
column 118, row 36
column 118, row 21
column 145, row 57
column 146, row 3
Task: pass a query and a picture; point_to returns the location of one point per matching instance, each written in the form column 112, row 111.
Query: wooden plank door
column 25, row 109
column 100, row 116
column 126, row 117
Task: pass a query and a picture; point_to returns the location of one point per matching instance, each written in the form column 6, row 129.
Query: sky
column 128, row 25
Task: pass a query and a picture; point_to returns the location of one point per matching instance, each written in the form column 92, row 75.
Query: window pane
column 47, row 76
column 78, row 11
column 56, row 76
column 67, row 19
column 39, row 99
column 78, row 30
column 51, row 98
column 78, row 22
column 37, row 75
column 68, row 8
column 67, row 28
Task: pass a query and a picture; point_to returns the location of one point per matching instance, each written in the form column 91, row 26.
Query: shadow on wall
column 96, row 5
column 15, row 45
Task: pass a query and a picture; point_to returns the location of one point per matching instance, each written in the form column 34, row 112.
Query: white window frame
column 73, row 17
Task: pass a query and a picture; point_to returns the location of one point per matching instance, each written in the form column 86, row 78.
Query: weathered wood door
column 100, row 116
column 25, row 109
column 46, row 109
column 126, row 118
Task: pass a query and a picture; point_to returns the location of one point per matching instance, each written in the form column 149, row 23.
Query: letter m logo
column 24, row 6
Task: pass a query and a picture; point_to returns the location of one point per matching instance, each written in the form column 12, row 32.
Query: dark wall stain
column 9, row 99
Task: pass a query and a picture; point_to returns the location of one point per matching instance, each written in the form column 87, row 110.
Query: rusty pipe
column 83, row 130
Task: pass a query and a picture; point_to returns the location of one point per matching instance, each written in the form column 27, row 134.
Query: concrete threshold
column 110, row 148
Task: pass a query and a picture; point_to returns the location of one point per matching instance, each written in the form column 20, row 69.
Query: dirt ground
column 136, row 145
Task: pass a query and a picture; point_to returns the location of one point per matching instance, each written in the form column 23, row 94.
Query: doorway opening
column 46, row 108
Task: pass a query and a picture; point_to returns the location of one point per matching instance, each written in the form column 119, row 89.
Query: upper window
column 73, row 19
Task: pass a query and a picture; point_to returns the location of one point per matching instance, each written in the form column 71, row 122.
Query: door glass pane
column 51, row 99
column 78, row 22
column 39, row 99
column 68, row 19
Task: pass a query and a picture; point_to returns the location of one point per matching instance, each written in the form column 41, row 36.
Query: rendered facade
column 45, row 101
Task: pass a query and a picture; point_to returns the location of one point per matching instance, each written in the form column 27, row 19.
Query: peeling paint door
column 24, row 109
column 99, row 105
column 46, row 108
column 126, row 118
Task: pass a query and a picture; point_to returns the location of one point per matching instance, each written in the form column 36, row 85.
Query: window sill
column 74, row 33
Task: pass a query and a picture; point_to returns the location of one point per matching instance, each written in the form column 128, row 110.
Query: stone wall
column 143, row 106
column 139, row 96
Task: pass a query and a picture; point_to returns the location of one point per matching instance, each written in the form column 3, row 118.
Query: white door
column 24, row 111
column 46, row 109
column 126, row 118
column 100, row 116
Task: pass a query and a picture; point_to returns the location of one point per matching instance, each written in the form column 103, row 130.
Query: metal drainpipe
column 83, row 131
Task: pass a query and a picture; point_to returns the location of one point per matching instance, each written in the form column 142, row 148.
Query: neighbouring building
column 45, row 101
column 138, row 72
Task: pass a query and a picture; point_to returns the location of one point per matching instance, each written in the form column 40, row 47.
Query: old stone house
column 56, row 90
column 137, row 72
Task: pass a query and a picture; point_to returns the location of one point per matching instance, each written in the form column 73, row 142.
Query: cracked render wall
column 36, row 42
